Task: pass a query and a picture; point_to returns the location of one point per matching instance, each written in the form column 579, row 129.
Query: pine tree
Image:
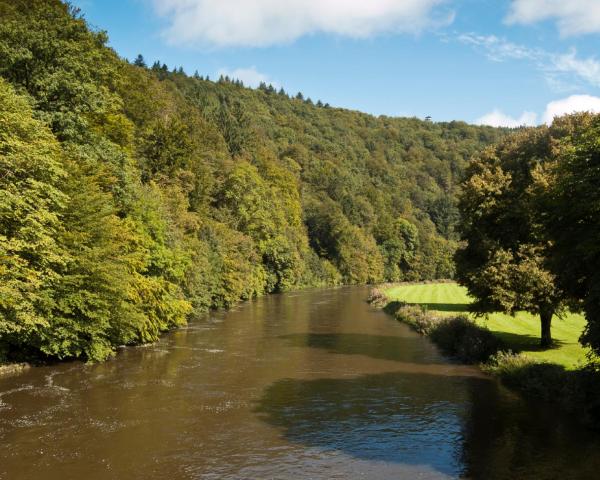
column 139, row 61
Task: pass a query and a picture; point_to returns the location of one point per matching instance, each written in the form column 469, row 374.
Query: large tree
column 31, row 201
column 572, row 218
column 503, row 262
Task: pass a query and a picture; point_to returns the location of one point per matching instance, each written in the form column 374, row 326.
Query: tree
column 31, row 202
column 46, row 48
column 504, row 263
column 91, row 294
column 569, row 188
column 139, row 61
column 234, row 124
column 398, row 241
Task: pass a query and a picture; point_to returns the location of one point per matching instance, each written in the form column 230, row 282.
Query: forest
column 134, row 196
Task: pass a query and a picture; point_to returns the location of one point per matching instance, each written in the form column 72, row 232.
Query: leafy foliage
column 504, row 262
column 31, row 171
column 571, row 209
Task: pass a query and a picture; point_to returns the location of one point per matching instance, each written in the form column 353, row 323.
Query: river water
column 309, row 385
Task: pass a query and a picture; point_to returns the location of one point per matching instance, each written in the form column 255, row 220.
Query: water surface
column 310, row 385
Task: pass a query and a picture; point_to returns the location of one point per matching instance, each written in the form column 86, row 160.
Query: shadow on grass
column 445, row 307
column 525, row 343
column 392, row 306
column 401, row 349
column 516, row 342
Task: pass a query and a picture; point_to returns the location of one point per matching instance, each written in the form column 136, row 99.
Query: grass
column 520, row 333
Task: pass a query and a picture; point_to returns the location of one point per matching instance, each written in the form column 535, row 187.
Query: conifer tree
column 139, row 61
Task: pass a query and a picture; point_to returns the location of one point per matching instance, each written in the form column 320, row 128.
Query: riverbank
column 504, row 346
column 520, row 333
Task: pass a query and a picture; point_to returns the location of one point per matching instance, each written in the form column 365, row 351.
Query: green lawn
column 521, row 333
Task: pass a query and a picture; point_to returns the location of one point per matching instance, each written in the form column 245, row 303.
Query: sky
column 495, row 62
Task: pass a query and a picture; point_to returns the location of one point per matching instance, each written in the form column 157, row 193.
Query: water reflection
column 460, row 427
column 392, row 417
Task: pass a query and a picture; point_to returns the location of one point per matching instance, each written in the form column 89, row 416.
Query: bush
column 584, row 394
column 420, row 320
column 465, row 340
column 377, row 298
column 576, row 390
column 459, row 336
column 540, row 379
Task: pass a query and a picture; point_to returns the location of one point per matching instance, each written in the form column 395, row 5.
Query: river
column 308, row 385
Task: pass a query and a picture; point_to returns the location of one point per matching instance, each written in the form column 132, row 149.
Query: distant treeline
column 132, row 197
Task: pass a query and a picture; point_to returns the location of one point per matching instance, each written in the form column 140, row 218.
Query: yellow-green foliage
column 31, row 172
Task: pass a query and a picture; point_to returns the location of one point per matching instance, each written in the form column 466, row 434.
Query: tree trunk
column 546, row 319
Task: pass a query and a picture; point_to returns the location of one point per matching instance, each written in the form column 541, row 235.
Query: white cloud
column 573, row 17
column 572, row 104
column 498, row 119
column 562, row 71
column 255, row 23
column 250, row 76
column 557, row 108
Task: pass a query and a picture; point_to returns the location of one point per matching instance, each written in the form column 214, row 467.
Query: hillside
column 132, row 197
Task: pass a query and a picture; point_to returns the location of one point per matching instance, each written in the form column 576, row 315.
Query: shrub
column 584, row 394
column 377, row 298
column 464, row 339
column 420, row 320
column 576, row 390
column 532, row 377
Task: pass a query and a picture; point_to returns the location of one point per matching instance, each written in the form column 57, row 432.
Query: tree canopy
column 529, row 218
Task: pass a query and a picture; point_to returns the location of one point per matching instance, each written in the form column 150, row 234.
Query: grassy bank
column 519, row 334
column 505, row 346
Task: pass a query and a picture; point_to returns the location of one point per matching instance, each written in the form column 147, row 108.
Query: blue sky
column 501, row 62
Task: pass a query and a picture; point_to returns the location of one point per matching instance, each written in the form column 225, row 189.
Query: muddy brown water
column 309, row 385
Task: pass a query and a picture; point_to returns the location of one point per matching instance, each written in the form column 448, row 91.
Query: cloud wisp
column 261, row 23
column 562, row 71
column 573, row 17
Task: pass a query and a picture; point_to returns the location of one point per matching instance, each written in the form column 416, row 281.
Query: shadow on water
column 387, row 417
column 380, row 347
column 456, row 426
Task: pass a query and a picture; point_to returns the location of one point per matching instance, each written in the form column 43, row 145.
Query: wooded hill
column 132, row 197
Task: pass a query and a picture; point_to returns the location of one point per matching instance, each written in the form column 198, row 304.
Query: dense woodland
column 133, row 196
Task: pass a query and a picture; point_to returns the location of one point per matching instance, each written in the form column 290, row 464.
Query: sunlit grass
column 521, row 333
